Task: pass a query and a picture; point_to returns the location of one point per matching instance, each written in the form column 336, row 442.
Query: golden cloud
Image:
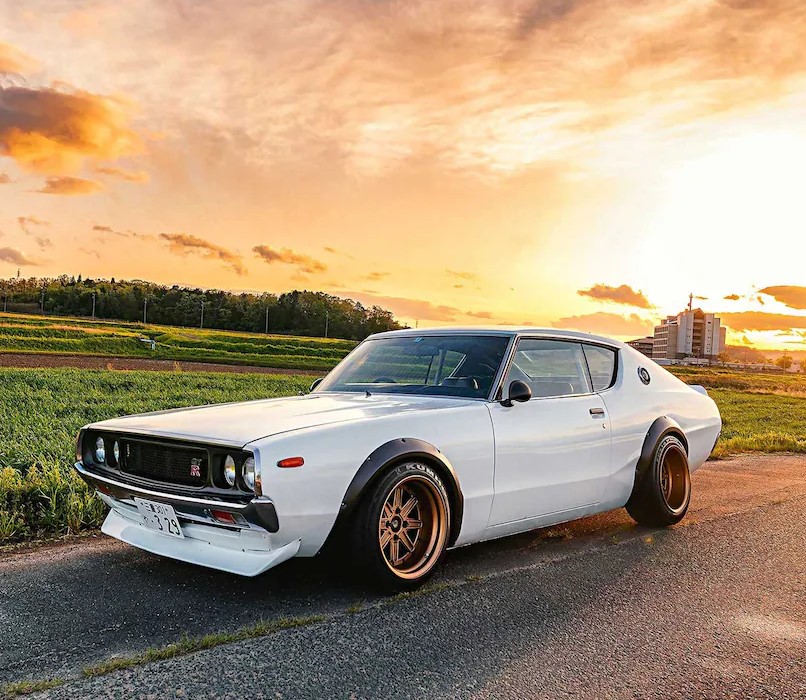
column 303, row 263
column 27, row 223
column 790, row 295
column 16, row 257
column 15, row 61
column 762, row 321
column 4, row 179
column 127, row 175
column 607, row 324
column 52, row 131
column 185, row 243
column 732, row 297
column 623, row 294
column 70, row 186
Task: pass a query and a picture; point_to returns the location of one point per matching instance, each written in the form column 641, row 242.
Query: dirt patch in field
column 135, row 363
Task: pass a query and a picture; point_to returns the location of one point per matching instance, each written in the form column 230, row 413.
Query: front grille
column 187, row 466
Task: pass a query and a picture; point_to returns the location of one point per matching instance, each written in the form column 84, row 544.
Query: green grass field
column 50, row 334
column 42, row 409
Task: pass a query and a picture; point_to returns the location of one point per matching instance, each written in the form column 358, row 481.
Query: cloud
column 70, row 186
column 14, row 61
column 480, row 314
column 27, row 223
column 402, row 307
column 186, row 243
column 762, row 321
column 732, row 297
column 375, row 276
column 336, row 251
column 790, row 295
column 303, row 263
column 43, row 242
column 16, row 257
column 617, row 295
column 4, row 179
column 462, row 275
column 607, row 324
column 127, row 175
column 55, row 131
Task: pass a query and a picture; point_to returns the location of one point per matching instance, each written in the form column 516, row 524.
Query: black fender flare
column 659, row 429
column 389, row 454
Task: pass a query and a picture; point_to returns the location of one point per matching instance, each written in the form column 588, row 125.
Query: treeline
column 296, row 312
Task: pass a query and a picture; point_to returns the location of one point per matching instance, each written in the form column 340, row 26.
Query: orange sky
column 574, row 163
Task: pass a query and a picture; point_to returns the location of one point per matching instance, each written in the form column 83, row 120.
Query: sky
column 564, row 163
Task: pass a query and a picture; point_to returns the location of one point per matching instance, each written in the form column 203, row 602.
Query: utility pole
column 267, row 320
column 145, row 308
column 42, row 302
column 690, row 300
column 201, row 323
column 327, row 320
column 93, row 304
column 5, row 299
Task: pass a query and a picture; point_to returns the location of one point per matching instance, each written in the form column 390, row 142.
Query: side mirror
column 518, row 391
column 316, row 383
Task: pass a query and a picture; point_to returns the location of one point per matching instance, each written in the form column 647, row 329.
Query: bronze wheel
column 412, row 527
column 661, row 495
column 674, row 478
column 402, row 527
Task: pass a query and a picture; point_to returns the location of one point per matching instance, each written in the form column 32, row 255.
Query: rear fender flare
column 659, row 429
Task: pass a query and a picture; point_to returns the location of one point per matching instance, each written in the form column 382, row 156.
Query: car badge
column 195, row 467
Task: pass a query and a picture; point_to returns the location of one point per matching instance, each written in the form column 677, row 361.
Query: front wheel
column 662, row 497
column 401, row 529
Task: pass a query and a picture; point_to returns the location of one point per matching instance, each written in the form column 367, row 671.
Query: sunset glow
column 551, row 162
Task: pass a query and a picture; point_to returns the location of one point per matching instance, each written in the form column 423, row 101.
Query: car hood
column 238, row 424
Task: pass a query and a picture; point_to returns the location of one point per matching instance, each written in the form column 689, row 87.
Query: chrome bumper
column 259, row 512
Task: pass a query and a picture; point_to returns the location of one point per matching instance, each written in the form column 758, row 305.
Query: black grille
column 168, row 463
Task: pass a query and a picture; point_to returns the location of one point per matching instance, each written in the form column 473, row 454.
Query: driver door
column 552, row 452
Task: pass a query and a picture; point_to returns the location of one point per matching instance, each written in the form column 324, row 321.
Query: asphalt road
column 713, row 608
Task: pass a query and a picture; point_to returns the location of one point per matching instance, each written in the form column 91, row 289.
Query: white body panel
column 536, row 463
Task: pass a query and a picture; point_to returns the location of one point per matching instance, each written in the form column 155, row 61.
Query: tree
column 784, row 362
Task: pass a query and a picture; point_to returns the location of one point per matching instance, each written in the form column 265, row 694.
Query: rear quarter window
column 602, row 364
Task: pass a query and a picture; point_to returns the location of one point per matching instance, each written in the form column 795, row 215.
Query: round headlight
column 116, row 451
column 229, row 470
column 100, row 450
column 249, row 472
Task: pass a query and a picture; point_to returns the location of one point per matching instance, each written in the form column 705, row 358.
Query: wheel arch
column 660, row 428
column 383, row 458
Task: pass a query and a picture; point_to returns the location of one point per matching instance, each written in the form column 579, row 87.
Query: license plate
column 160, row 517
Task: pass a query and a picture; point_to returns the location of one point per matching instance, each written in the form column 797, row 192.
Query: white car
column 418, row 441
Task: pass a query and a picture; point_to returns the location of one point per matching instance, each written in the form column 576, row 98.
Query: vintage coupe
column 416, row 442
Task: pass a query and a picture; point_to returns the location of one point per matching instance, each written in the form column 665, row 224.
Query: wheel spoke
column 413, row 524
column 410, row 504
column 386, row 537
column 397, row 498
column 407, row 543
column 394, row 551
column 388, row 511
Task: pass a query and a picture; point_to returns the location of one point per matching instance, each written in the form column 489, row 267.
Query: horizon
column 570, row 164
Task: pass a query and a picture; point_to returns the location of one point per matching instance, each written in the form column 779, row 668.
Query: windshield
column 435, row 365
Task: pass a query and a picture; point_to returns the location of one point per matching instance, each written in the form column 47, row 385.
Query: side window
column 602, row 365
column 550, row 367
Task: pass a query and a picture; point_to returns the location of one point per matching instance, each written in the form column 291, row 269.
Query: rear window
column 602, row 366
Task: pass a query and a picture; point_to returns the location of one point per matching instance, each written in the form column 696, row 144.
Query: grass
column 74, row 336
column 41, row 411
column 12, row 690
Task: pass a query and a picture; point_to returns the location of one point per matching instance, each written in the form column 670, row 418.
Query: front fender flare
column 394, row 452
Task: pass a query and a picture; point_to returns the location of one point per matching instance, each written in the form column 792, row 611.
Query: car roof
column 506, row 331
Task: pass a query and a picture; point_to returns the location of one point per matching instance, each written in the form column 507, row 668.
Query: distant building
column 692, row 333
column 643, row 345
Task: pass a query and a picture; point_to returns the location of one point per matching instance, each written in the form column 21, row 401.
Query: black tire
column 662, row 496
column 383, row 529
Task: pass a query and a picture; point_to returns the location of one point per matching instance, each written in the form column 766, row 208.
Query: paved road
column 713, row 608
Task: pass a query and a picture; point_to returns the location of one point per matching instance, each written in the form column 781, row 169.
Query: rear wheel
column 662, row 496
column 400, row 531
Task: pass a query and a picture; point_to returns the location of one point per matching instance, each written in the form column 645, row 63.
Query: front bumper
column 248, row 547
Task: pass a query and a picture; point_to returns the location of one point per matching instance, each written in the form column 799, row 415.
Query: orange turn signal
column 290, row 462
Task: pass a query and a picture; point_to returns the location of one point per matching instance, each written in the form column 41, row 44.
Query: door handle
column 597, row 413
